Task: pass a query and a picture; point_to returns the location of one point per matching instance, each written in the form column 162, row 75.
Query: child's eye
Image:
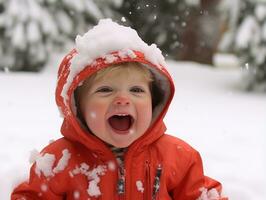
column 104, row 89
column 137, row 89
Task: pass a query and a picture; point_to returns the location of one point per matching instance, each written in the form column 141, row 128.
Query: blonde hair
column 115, row 69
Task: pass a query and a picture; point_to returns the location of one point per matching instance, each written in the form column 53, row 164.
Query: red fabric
column 181, row 176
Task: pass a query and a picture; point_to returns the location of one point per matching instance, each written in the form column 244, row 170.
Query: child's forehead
column 116, row 74
column 129, row 70
column 121, row 70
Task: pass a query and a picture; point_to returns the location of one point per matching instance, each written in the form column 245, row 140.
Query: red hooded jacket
column 81, row 166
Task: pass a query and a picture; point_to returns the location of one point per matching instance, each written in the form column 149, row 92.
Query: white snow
column 139, row 185
column 76, row 195
column 33, row 32
column 93, row 177
column 44, row 164
column 75, row 5
column 48, row 25
column 263, row 31
column 260, row 12
column 247, row 32
column 93, row 9
column 110, row 58
column 44, row 187
column 225, row 124
column 93, row 189
column 225, row 61
column 34, row 154
column 111, row 165
column 193, row 2
column 123, row 19
column 125, row 53
column 208, row 194
column 64, row 22
column 209, row 111
column 63, row 162
column 18, row 37
column 101, row 44
column 93, row 115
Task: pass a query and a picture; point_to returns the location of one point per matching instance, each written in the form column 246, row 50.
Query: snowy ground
column 209, row 111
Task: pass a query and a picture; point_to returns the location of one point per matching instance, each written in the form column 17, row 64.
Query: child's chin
column 118, row 144
column 121, row 144
column 121, row 139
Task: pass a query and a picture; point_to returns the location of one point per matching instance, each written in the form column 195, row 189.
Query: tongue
column 120, row 123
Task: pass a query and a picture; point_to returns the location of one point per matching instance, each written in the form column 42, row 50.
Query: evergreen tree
column 32, row 30
column 160, row 22
column 250, row 42
column 246, row 37
column 183, row 29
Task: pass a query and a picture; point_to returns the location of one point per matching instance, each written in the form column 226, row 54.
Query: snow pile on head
column 105, row 38
column 45, row 163
column 93, row 177
column 209, row 194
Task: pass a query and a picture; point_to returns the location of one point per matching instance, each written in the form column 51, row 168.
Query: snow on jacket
column 81, row 166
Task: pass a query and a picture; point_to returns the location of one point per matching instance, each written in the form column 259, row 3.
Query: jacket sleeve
column 195, row 185
column 38, row 187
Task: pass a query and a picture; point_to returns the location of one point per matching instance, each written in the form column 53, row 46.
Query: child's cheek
column 145, row 105
column 93, row 115
column 96, row 113
column 145, row 111
column 93, row 120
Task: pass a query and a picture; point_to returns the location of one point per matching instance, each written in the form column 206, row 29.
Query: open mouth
column 121, row 122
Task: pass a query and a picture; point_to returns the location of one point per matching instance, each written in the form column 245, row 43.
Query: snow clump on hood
column 107, row 37
column 102, row 40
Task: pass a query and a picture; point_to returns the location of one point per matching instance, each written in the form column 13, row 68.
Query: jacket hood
column 104, row 45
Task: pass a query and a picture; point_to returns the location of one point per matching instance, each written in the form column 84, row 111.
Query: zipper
column 121, row 173
column 156, row 184
column 147, row 181
column 121, row 183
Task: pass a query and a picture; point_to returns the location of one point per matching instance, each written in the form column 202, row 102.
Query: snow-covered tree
column 160, row 22
column 183, row 29
column 32, row 30
column 246, row 37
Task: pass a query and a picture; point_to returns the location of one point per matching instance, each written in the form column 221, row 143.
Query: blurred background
column 215, row 51
column 192, row 30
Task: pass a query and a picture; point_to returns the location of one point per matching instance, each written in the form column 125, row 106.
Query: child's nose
column 121, row 100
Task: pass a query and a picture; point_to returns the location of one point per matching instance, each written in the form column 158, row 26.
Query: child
column 114, row 92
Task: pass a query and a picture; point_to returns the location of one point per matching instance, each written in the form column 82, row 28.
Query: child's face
column 118, row 106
